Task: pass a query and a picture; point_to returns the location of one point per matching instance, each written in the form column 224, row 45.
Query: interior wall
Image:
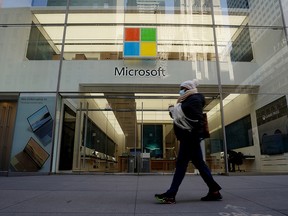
column 241, row 106
column 245, row 105
column 248, row 104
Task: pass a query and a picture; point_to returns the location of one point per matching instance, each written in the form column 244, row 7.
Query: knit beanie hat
column 190, row 84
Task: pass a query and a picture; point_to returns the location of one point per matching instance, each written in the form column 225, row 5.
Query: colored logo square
column 148, row 34
column 131, row 49
column 140, row 42
column 148, row 49
column 132, row 34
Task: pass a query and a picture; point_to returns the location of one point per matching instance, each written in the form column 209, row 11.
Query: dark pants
column 190, row 150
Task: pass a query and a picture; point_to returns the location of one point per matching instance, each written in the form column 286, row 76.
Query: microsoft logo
column 140, row 43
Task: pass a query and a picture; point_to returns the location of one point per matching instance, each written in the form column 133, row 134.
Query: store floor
column 127, row 195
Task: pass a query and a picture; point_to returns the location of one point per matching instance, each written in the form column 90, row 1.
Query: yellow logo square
column 148, row 49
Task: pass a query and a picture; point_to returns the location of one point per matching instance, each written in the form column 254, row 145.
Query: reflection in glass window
column 38, row 46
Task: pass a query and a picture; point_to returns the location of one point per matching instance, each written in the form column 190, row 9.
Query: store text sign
column 136, row 72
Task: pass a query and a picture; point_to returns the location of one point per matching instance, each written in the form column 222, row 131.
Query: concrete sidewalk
column 127, row 195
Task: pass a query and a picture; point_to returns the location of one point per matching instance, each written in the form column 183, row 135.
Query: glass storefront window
column 243, row 78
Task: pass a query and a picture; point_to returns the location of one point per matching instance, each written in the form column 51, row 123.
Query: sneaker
column 212, row 196
column 165, row 198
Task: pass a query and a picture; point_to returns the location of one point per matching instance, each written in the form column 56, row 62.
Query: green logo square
column 148, row 34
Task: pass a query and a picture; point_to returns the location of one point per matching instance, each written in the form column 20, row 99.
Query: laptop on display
column 32, row 158
column 41, row 124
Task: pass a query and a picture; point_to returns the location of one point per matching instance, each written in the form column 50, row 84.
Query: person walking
column 188, row 123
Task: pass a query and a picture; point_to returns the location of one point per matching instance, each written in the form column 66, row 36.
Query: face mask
column 181, row 92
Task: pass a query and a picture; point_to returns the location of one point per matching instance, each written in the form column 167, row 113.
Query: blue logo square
column 131, row 49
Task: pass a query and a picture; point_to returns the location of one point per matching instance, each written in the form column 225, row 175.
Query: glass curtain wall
column 76, row 50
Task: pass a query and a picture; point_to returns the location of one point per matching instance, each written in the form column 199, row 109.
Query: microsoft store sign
column 140, row 43
column 138, row 72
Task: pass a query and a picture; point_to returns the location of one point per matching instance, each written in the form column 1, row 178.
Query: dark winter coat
column 193, row 109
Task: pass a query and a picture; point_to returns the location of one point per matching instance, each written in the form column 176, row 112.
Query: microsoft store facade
column 85, row 85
